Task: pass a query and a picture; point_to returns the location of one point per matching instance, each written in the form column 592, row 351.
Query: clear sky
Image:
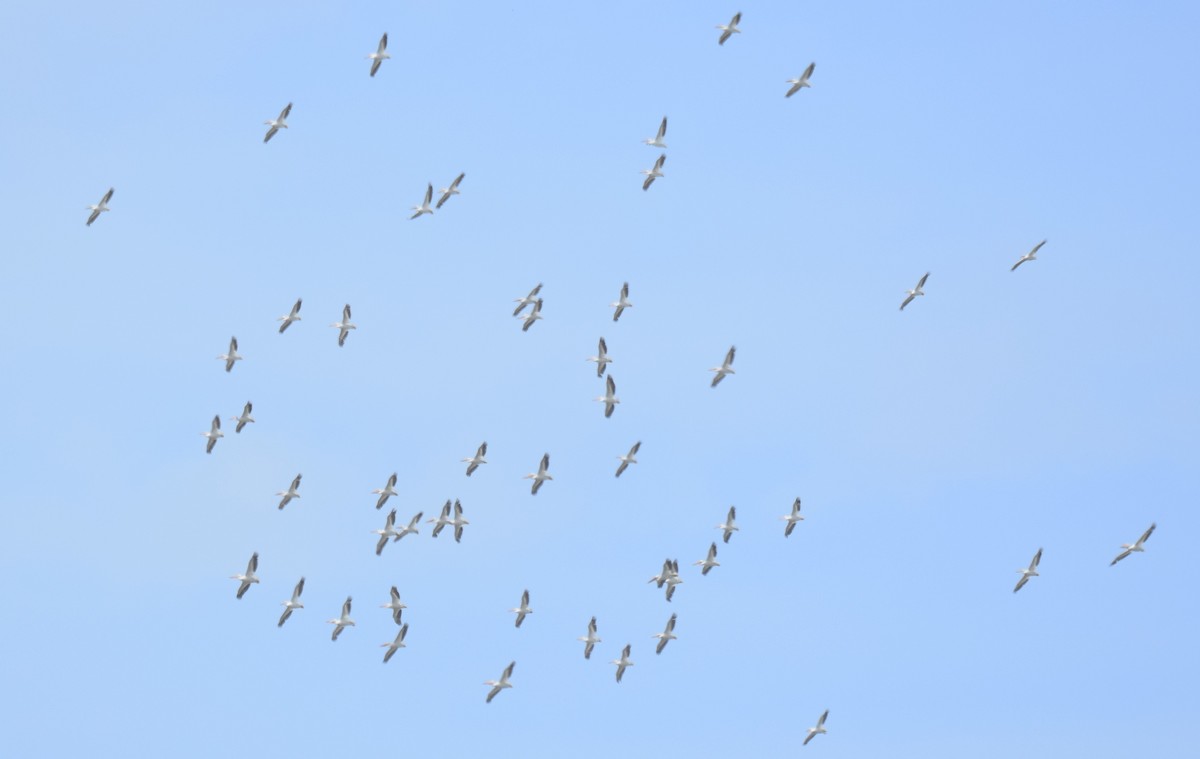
column 935, row 449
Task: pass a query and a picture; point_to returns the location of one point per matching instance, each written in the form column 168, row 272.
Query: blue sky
column 935, row 450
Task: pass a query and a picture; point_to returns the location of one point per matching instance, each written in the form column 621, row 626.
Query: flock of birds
column 451, row 515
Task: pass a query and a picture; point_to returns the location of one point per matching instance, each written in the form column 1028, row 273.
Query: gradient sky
column 935, row 450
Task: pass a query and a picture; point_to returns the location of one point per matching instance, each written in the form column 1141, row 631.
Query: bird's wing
column 298, row 590
column 285, row 112
column 659, row 163
column 415, row 520
column 296, row 482
column 662, row 130
column 395, row 594
column 922, row 282
column 737, row 17
column 611, row 385
column 1037, row 557
column 429, row 193
column 216, row 423
column 592, row 627
column 624, row 465
column 95, row 215
column 346, row 313
column 1037, row 247
column 375, row 64
column 1122, row 555
column 270, row 133
column 383, row 539
column 545, row 465
column 492, row 693
column 821, row 722
column 808, row 71
column 636, row 446
column 482, row 449
column 732, row 514
column 795, row 88
column 724, row 36
column 1020, row 261
column 712, row 551
column 729, row 356
column 1021, row 583
column 662, row 643
column 382, row 44
column 787, row 531
column 346, row 607
column 296, row 308
column 525, row 598
column 457, row 508
column 1146, row 534
column 243, row 588
column 252, row 567
column 457, row 180
column 391, row 519
column 908, row 300
column 809, row 737
column 284, row 617
column 536, row 484
column 671, row 623
column 603, row 347
column 649, row 181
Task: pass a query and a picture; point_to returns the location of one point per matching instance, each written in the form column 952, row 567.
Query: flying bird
column 290, row 493
column 232, row 356
column 412, row 527
column 673, row 579
column 398, row 643
column 657, row 142
column 727, row 30
column 724, row 368
column 528, row 300
column 792, row 518
column 662, row 576
column 709, row 561
column 609, row 398
column 386, row 492
column 213, row 434
column 655, row 173
column 541, row 475
column 623, row 662
column 245, row 418
column 1137, row 547
column 395, row 605
column 377, row 59
column 522, row 610
column 534, row 314
column 601, row 359
column 100, row 207
column 277, row 124
column 590, row 640
column 441, row 520
column 344, row 326
column 501, row 684
column 474, row 462
column 914, row 292
column 1030, row 572
column 459, row 521
column 294, row 316
column 623, row 303
column 1030, row 256
column 343, row 621
column 249, row 578
column 729, row 526
column 665, row 636
column 424, row 207
column 628, row 458
column 798, row 84
column 387, row 533
column 446, row 192
column 293, row 604
column 815, row 731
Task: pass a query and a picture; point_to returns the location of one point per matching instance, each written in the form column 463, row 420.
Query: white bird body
column 292, row 604
column 394, row 605
column 386, row 491
column 245, row 418
column 1138, row 547
column 446, row 192
column 501, row 684
column 916, row 291
column 709, row 561
column 277, row 124
column 1030, row 256
column 441, row 520
column 424, row 208
column 396, row 644
column 623, row 662
column 474, row 462
column 412, row 526
column 249, row 577
column 666, row 636
column 1031, row 571
column 290, row 493
column 542, row 474
column 725, row 368
column 377, row 58
column 232, row 356
column 818, row 730
column 590, row 640
column 344, row 326
column 628, row 458
column 343, row 621
column 458, row 522
column 654, row 173
column 100, row 207
column 623, row 303
column 792, row 519
column 292, row 316
column 800, row 82
column 729, row 526
column 730, row 29
column 528, row 300
column 657, row 142
column 387, row 533
column 601, row 359
column 522, row 610
column 213, row 434
column 609, row 399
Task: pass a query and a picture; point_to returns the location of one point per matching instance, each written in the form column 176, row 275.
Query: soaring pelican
column 277, row 124
column 501, row 684
column 213, row 434
column 398, row 643
column 412, row 527
column 914, row 292
column 729, row 526
column 815, row 731
column 344, row 326
column 100, row 207
column 386, row 491
column 474, row 462
column 232, row 356
column 1030, row 572
column 730, row 29
column 709, row 561
column 654, row 173
column 377, row 59
column 459, row 521
column 528, row 300
column 1030, row 256
column 1137, row 547
column 395, row 605
column 798, row 84
column 724, row 368
column 245, row 418
column 424, row 207
column 522, row 610
column 446, row 192
column 441, row 520
column 623, row 303
column 293, row 604
column 657, row 142
column 343, row 621
column 387, row 533
column 673, row 579
column 534, row 314
column 290, row 493
column 590, row 640
column 249, row 578
column 541, row 475
column 792, row 518
column 623, row 662
column 601, row 358
column 668, row 634
column 293, row 316
column 628, row 458
column 609, row 398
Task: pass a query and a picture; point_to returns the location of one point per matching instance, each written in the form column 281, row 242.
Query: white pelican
column 541, row 475
column 709, row 561
column 724, row 368
column 792, row 518
column 474, row 462
column 623, row 303
column 249, row 577
column 501, row 684
column 446, row 192
column 459, row 521
column 386, row 491
column 534, row 314
column 657, row 142
column 673, row 579
column 662, row 576
column 395, row 605
column 601, row 358
column 730, row 29
column 528, row 300
column 1030, row 256
column 798, row 84
column 1030, row 572
column 424, row 207
column 387, row 533
column 343, row 621
column 1137, row 547
column 590, row 640
column 398, row 643
column 412, row 527
column 213, row 434
column 628, row 458
column 442, row 519
column 290, row 493
column 623, row 662
column 523, row 609
column 100, row 207
column 232, row 356
column 277, row 124
column 377, row 59
column 293, row 604
column 729, row 525
column 655, row 173
column 245, row 418
column 294, row 316
column 344, row 326
column 815, row 731
column 666, row 635
column 914, row 292
column 609, row 398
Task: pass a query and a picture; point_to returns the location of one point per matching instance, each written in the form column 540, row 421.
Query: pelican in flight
column 213, row 434
column 232, row 356
column 292, row 604
column 377, row 59
column 294, row 316
column 245, row 418
column 609, row 398
column 623, row 662
column 730, row 525
column 668, row 634
column 474, row 462
column 657, row 142
column 501, row 684
column 446, row 192
column 343, row 621
column 386, row 491
column 387, row 533
column 459, row 521
column 914, row 292
column 601, row 358
column 672, row 579
column 534, row 314
column 100, row 207
column 441, row 520
column 590, row 640
column 1030, row 256
column 249, row 578
column 623, row 303
column 541, row 475
column 730, row 29
column 710, row 561
column 662, row 576
column 277, row 124
column 412, row 527
column 724, row 368
column 802, row 82
column 290, row 493
column 1137, row 547
column 424, row 207
column 628, row 458
column 1030, row 572
column 528, row 300
column 655, row 173
column 344, row 326
column 523, row 609
column 815, row 731
column 395, row 605
column 398, row 643
column 792, row 518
